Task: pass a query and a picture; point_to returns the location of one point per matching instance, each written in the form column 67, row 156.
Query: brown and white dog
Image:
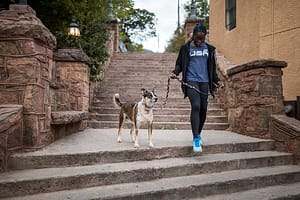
column 137, row 114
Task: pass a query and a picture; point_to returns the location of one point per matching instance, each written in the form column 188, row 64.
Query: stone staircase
column 128, row 73
column 92, row 165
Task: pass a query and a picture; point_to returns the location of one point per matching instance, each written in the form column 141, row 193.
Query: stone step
column 184, row 187
column 135, row 95
column 132, row 82
column 158, row 105
column 179, row 103
column 100, row 146
column 158, row 125
column 278, row 192
column 163, row 118
column 139, row 55
column 158, row 111
column 122, row 66
column 27, row 182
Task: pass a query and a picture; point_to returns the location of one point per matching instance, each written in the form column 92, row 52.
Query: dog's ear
column 143, row 91
column 153, row 90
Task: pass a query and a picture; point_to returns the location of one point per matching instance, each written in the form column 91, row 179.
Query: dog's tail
column 117, row 101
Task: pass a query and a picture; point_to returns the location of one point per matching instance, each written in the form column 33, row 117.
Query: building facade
column 246, row 30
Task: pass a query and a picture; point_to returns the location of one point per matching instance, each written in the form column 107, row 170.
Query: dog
column 137, row 114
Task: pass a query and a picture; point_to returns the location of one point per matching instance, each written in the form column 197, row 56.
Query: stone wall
column 25, row 70
column 253, row 93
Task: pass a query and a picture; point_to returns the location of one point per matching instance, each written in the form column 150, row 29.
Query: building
column 247, row 30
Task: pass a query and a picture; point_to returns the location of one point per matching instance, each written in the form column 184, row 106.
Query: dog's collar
column 147, row 107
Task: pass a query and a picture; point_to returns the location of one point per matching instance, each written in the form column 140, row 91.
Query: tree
column 202, row 10
column 176, row 41
column 92, row 18
column 136, row 24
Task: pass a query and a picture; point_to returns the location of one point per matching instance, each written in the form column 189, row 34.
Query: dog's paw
column 119, row 140
column 133, row 139
column 136, row 145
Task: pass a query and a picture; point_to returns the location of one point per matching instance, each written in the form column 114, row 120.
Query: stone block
column 11, row 131
column 22, row 70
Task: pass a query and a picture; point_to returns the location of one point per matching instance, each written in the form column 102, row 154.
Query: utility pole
column 178, row 14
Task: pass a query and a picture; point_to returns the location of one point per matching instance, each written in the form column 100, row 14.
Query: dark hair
column 199, row 28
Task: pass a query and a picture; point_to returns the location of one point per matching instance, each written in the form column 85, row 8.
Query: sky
column 166, row 13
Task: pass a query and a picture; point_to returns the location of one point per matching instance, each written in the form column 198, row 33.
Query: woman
column 196, row 61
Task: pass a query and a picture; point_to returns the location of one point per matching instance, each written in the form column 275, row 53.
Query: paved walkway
column 95, row 140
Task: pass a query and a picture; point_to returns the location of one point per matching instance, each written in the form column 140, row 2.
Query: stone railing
column 112, row 46
column 11, row 132
column 286, row 132
column 26, row 62
column 51, row 90
column 252, row 93
column 69, row 92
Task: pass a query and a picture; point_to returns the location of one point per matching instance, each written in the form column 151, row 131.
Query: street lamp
column 193, row 10
column 110, row 7
column 23, row 2
column 73, row 29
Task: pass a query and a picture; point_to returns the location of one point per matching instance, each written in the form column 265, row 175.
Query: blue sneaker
column 197, row 145
column 200, row 139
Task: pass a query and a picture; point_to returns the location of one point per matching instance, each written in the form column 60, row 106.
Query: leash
column 182, row 82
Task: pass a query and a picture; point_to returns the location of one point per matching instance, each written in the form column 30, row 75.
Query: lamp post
column 73, row 29
column 110, row 7
column 74, row 33
column 23, row 2
column 193, row 10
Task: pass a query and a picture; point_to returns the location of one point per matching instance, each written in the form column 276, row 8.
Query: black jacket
column 182, row 63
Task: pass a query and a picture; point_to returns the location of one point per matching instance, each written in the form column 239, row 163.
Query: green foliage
column 135, row 24
column 176, row 41
column 90, row 15
column 202, row 10
column 92, row 18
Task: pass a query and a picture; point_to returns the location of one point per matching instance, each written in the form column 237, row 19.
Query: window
column 230, row 14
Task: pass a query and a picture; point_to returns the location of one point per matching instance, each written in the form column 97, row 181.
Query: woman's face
column 199, row 38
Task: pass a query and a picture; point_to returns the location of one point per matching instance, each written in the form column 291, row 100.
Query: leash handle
column 191, row 86
column 182, row 82
column 167, row 93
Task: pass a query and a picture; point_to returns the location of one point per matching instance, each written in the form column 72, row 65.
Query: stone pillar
column 72, row 71
column 114, row 28
column 189, row 27
column 253, row 94
column 26, row 51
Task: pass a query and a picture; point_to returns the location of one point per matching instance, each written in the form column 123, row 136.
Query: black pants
column 198, row 105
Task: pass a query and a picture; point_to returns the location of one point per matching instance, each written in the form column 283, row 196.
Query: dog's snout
column 154, row 99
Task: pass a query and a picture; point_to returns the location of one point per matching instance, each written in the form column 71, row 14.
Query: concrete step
column 163, row 118
column 278, row 192
column 158, row 125
column 100, row 146
column 179, row 102
column 184, row 187
column 158, row 111
column 27, row 182
column 108, row 103
column 134, row 91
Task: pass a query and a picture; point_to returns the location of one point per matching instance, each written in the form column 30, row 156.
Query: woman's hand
column 172, row 75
